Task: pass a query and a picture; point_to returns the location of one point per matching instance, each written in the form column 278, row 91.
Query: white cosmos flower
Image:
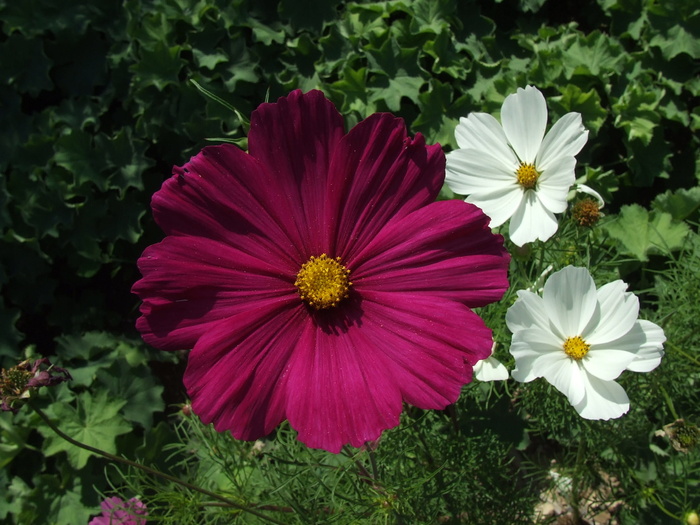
column 490, row 369
column 581, row 339
column 513, row 171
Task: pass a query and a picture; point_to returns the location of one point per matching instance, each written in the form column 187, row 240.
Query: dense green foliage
column 96, row 106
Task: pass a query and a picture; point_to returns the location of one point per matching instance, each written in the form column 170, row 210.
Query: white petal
column 651, row 351
column 565, row 139
column 482, row 132
column 529, row 348
column 531, row 221
column 528, row 311
column 570, row 299
column 490, row 369
column 618, row 313
column 607, row 364
column 582, row 188
column 498, row 204
column 554, row 183
column 645, row 341
column 470, row 170
column 565, row 374
column 603, row 400
column 524, row 118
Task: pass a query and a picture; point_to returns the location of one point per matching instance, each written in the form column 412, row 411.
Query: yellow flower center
column 527, row 175
column 323, row 282
column 576, row 348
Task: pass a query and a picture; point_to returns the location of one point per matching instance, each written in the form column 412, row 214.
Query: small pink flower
column 117, row 512
column 315, row 278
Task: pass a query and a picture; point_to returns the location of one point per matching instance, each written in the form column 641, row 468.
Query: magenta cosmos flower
column 315, row 279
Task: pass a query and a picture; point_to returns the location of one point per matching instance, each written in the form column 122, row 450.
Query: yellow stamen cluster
column 323, row 282
column 527, row 175
column 586, row 212
column 576, row 348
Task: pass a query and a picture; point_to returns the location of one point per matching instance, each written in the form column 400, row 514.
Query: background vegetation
column 96, row 107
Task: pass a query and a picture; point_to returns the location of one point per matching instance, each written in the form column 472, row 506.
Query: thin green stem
column 575, row 482
column 683, row 353
column 661, row 507
column 668, row 400
column 149, row 470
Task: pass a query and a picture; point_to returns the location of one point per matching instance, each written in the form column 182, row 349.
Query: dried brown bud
column 683, row 436
column 586, row 212
column 19, row 381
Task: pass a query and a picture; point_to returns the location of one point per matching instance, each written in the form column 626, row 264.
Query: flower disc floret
column 323, row 282
column 576, row 348
column 527, row 175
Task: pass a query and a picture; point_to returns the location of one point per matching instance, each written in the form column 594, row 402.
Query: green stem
column 575, row 489
column 669, row 401
column 663, row 509
column 149, row 470
column 684, row 354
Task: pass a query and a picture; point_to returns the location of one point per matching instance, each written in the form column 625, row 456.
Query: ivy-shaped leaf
column 95, row 422
column 641, row 233
column 137, row 387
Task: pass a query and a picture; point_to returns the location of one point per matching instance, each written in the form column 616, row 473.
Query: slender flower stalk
column 149, row 470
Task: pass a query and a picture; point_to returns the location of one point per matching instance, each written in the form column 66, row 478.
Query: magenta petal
column 339, row 392
column 189, row 283
column 377, row 173
column 347, row 387
column 445, row 249
column 294, row 138
column 236, row 373
column 224, row 194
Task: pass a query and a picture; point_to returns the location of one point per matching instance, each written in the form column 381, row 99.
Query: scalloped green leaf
column 96, row 422
column 641, row 233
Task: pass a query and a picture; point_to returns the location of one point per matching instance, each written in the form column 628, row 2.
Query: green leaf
column 137, row 387
column 593, row 55
column 95, row 422
column 587, row 103
column 311, row 14
column 158, row 66
column 637, row 112
column 13, row 438
column 447, row 59
column 681, row 204
column 677, row 40
column 9, row 335
column 433, row 120
column 24, row 64
column 75, row 152
column 641, row 233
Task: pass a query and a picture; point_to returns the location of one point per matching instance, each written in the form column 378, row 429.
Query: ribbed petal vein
column 378, row 173
column 295, row 139
column 524, row 118
column 224, row 194
column 482, row 132
column 189, row 283
column 236, row 373
column 565, row 139
column 444, row 249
